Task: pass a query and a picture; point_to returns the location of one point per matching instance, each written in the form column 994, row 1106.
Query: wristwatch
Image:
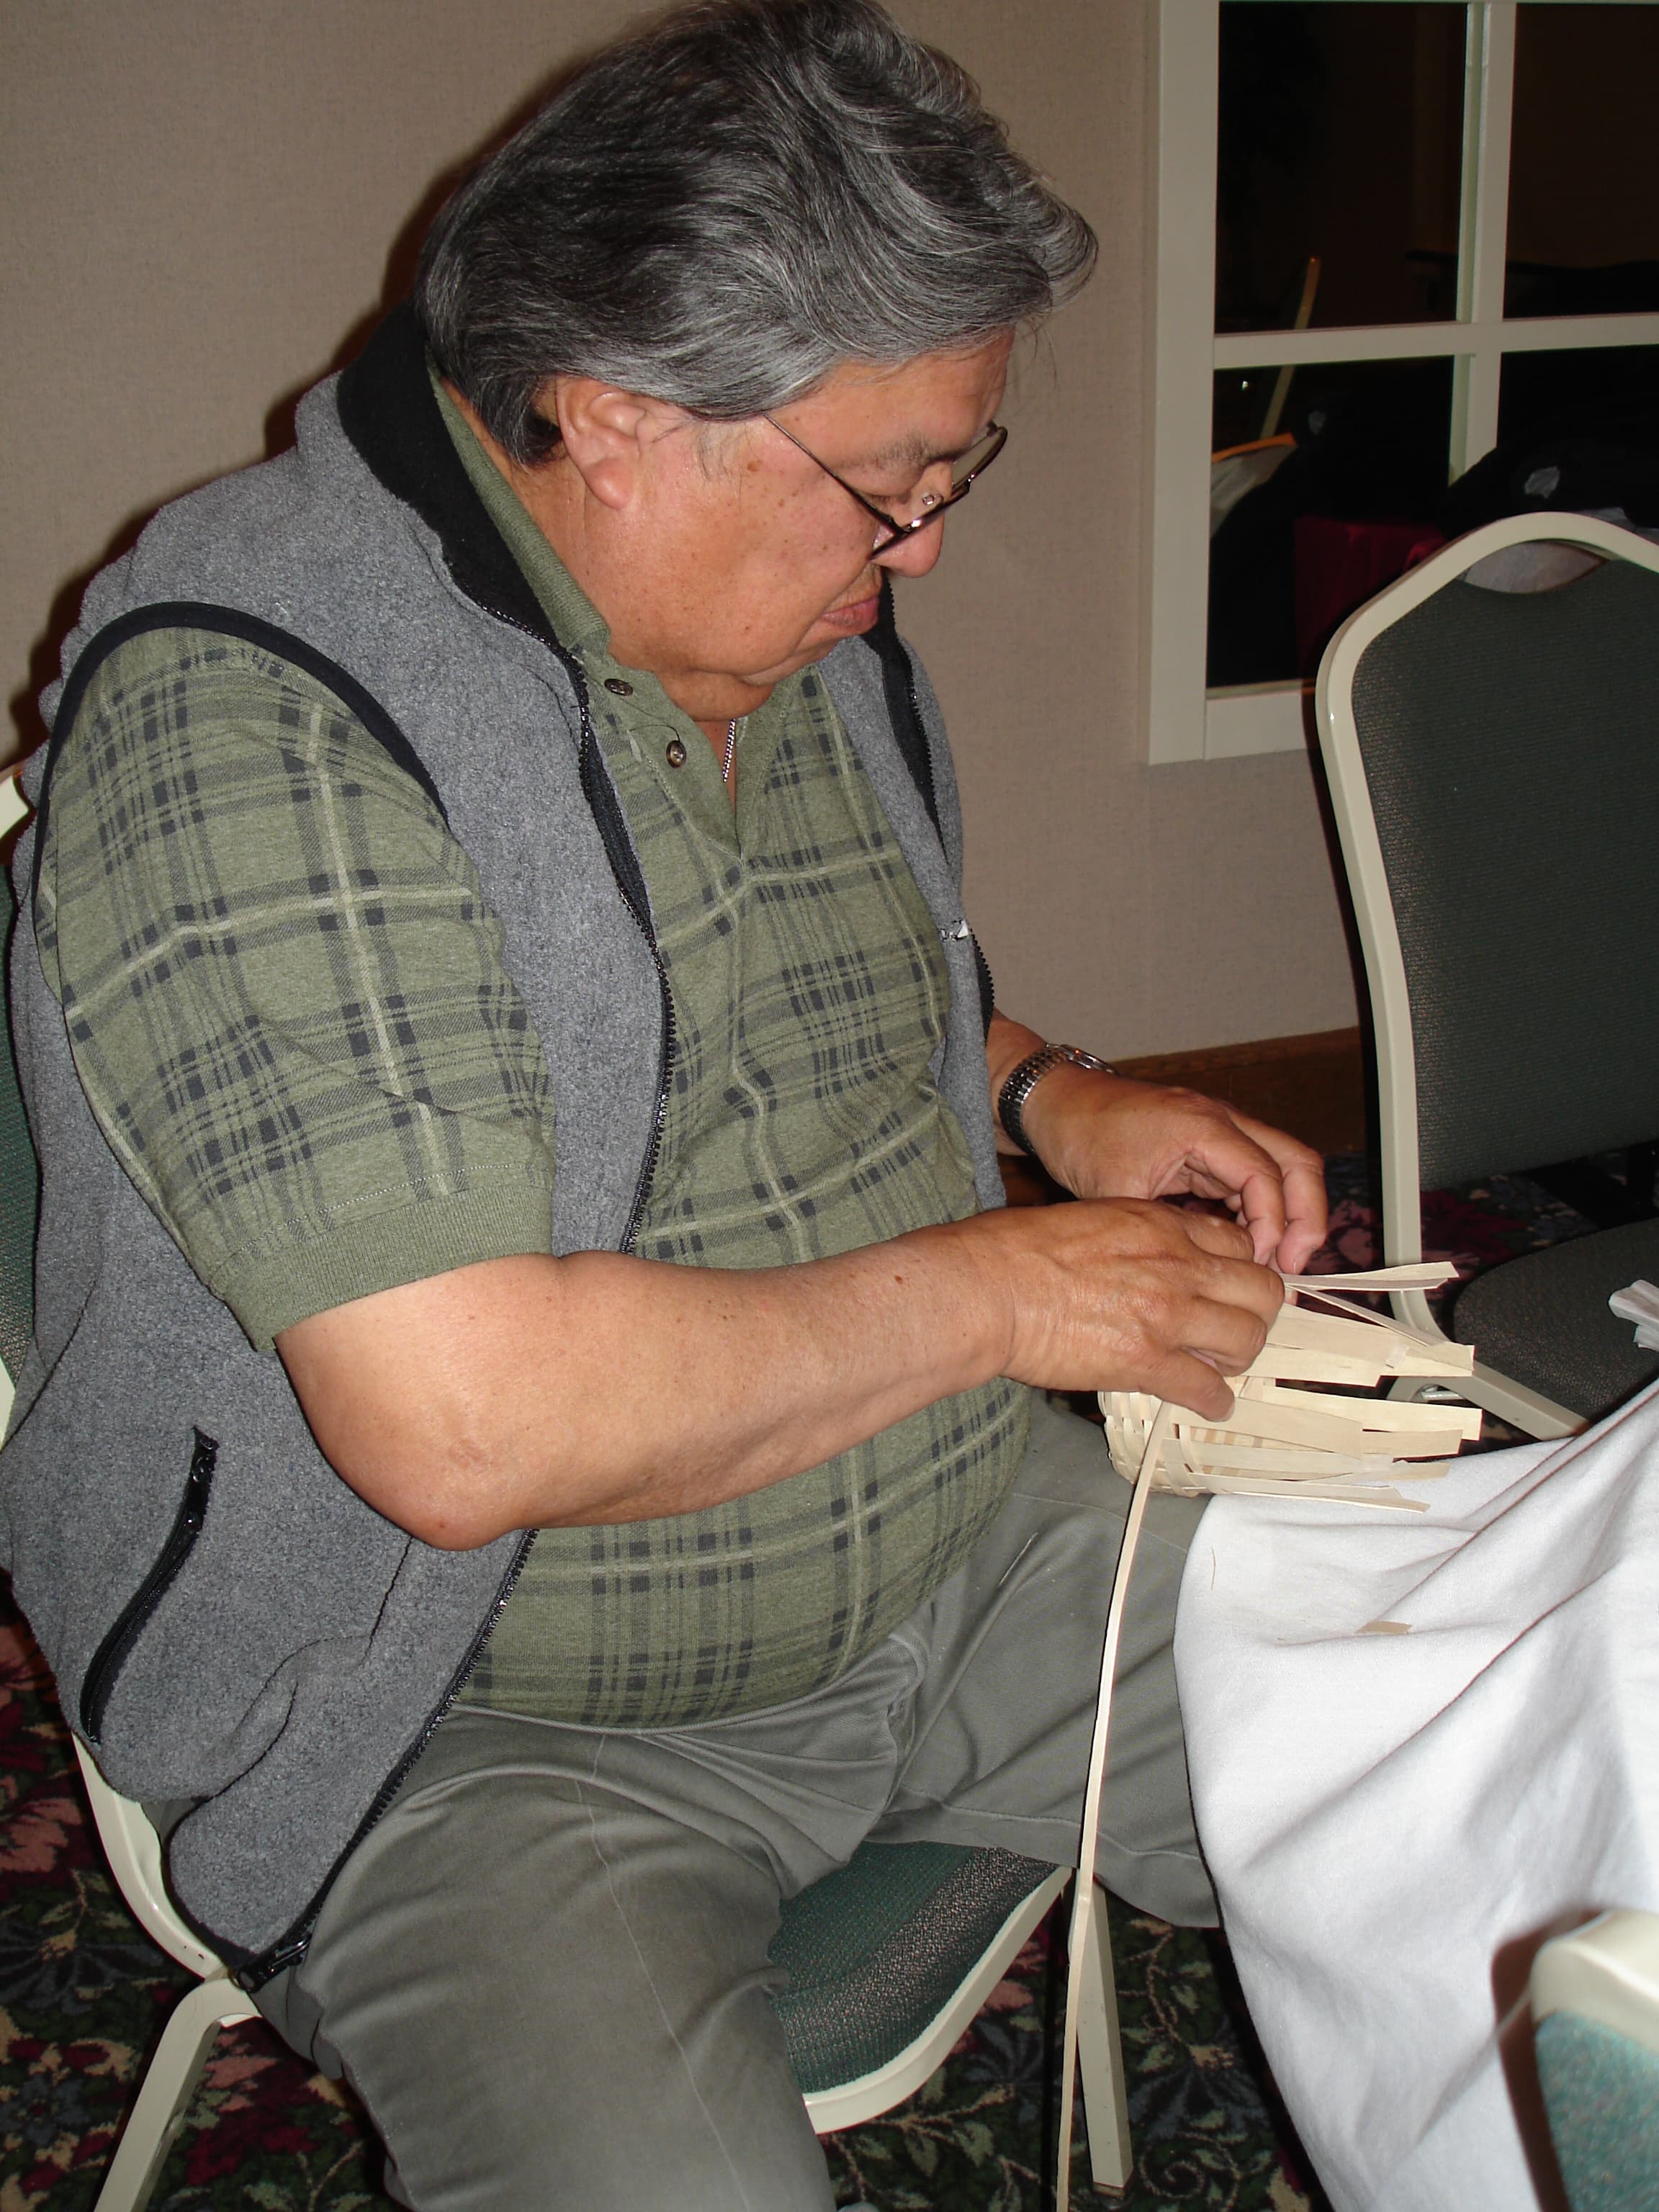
column 1011, row 1099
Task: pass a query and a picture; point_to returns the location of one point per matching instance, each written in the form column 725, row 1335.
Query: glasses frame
column 897, row 532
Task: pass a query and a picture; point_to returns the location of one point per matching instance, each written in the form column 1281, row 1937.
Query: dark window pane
column 1340, row 142
column 1301, row 535
column 1574, row 431
column 1583, row 230
column 1607, row 393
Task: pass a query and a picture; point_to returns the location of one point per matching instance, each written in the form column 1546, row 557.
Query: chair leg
column 1530, row 1410
column 1100, row 2059
column 165, row 2094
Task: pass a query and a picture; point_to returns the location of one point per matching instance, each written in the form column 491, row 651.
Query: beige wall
column 201, row 201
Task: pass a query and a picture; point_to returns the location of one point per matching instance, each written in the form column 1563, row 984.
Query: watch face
column 1080, row 1059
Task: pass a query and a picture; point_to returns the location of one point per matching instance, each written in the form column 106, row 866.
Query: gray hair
column 718, row 210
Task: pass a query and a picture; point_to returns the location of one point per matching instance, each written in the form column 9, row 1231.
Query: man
column 492, row 938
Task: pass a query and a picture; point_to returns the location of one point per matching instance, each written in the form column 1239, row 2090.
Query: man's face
column 745, row 560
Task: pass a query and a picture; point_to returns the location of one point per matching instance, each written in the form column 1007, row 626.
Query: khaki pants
column 545, row 1971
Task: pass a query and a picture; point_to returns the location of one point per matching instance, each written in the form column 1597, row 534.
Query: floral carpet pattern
column 83, row 1993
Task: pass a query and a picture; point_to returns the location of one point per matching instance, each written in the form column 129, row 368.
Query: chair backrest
column 1493, row 759
column 1595, row 2000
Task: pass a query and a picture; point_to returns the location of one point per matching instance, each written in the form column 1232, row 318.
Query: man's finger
column 1301, row 1178
column 1194, row 1385
column 1226, row 1240
column 1237, row 1279
column 1307, row 1213
column 1262, row 1197
column 1224, row 1159
column 1230, row 1333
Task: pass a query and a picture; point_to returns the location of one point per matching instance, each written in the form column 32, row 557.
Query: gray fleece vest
column 228, row 1623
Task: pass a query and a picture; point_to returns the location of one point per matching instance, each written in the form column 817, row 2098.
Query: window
column 1389, row 232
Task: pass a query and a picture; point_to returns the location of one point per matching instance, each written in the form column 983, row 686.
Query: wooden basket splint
column 1277, row 1442
column 1280, row 1440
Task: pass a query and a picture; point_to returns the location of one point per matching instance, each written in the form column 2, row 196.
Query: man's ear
column 606, row 432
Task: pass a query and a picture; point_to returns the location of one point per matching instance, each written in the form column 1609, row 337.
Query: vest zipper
column 289, row 1949
column 930, row 795
column 930, row 799
column 98, row 1685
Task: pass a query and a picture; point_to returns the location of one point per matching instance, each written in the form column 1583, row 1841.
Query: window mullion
column 1489, row 103
column 1185, row 74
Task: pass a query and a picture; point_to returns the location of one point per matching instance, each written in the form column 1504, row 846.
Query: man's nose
column 914, row 553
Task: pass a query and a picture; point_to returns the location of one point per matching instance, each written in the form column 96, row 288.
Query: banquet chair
column 1596, row 2004
column 889, row 1960
column 1492, row 756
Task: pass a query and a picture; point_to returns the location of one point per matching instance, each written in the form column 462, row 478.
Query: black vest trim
column 391, row 415
column 902, row 709
column 987, row 990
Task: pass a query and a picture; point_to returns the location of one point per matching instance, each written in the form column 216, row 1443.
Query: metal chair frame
column 134, row 1852
column 1594, row 1995
column 1606, row 1972
column 1379, row 936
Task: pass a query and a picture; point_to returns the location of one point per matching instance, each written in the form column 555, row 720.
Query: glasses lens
column 968, row 466
column 929, row 505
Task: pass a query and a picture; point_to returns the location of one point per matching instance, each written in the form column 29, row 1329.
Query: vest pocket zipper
column 113, row 1653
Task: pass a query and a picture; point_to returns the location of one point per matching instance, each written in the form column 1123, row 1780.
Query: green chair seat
column 1601, row 2091
column 875, row 1952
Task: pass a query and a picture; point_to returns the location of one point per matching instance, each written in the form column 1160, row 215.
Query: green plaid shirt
column 282, row 988
column 287, row 1004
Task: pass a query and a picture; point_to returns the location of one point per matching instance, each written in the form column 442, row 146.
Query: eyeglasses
column 894, row 528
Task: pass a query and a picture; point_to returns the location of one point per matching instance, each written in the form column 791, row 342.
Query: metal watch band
column 1011, row 1099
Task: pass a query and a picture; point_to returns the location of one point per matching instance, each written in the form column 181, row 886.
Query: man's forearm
column 1066, row 1096
column 599, row 1388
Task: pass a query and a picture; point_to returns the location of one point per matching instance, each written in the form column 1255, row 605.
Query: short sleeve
column 283, row 991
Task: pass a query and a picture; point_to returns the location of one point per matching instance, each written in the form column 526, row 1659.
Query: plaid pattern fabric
column 811, row 998
column 282, row 988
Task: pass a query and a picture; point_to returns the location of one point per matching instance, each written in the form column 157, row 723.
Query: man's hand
column 1126, row 1296
column 1103, row 1136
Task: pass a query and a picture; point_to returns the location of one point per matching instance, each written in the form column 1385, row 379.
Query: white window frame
column 1185, row 722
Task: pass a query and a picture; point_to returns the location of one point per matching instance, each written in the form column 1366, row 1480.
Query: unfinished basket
column 1321, row 1443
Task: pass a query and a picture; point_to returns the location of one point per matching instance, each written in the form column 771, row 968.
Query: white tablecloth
column 1395, row 1822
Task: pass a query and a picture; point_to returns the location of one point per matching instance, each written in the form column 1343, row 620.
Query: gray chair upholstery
column 1544, row 1318
column 1494, row 764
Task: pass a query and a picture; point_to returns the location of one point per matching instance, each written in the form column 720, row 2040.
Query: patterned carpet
column 83, row 1993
